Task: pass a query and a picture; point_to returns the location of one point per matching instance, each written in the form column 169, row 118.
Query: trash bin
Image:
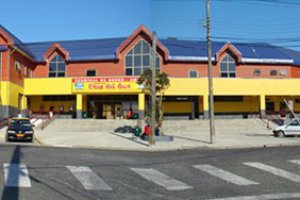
column 135, row 116
column 137, row 131
column 84, row 115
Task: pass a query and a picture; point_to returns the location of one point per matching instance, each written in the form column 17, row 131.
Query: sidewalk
column 188, row 134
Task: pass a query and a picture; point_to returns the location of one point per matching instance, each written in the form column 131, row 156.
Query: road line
column 225, row 175
column 161, row 179
column 276, row 171
column 264, row 197
column 295, row 161
column 88, row 178
column 16, row 175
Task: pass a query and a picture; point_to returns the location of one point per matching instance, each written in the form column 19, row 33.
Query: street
column 62, row 173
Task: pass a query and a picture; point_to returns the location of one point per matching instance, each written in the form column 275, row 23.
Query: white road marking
column 276, row 171
column 295, row 161
column 225, row 175
column 264, row 197
column 88, row 178
column 16, row 175
column 161, row 179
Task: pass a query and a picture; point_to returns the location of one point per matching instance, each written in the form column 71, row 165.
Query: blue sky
column 273, row 21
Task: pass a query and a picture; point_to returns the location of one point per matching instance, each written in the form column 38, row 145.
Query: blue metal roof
column 80, row 50
column 3, row 48
column 18, row 43
column 179, row 50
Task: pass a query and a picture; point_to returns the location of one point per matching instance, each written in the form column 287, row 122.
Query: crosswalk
column 17, row 175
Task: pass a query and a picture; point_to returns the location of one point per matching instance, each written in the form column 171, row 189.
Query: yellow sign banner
column 103, row 85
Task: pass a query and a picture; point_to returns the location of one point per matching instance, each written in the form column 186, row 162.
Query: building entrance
column 110, row 107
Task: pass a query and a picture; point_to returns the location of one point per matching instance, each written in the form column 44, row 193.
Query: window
column 193, row 74
column 91, row 72
column 139, row 58
column 18, row 66
column 256, row 72
column 273, row 72
column 57, row 67
column 30, row 73
column 25, row 71
column 282, row 72
column 228, row 67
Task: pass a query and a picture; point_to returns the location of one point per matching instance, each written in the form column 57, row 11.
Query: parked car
column 19, row 129
column 290, row 128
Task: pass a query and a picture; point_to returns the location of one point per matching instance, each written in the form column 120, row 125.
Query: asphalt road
column 38, row 173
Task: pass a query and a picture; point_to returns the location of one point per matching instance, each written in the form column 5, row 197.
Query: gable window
column 193, row 74
column 91, row 72
column 282, row 72
column 18, row 66
column 273, row 72
column 228, row 67
column 256, row 72
column 139, row 58
column 57, row 67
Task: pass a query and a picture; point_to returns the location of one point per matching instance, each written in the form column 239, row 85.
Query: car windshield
column 18, row 122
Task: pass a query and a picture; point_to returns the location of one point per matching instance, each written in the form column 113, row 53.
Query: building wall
column 37, row 103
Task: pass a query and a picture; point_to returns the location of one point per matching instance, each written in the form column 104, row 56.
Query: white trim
column 267, row 60
column 190, row 58
column 245, row 60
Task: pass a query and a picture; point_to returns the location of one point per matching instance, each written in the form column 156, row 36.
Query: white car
column 291, row 128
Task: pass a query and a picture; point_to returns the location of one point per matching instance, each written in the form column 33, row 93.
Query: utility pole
column 210, row 81
column 153, row 91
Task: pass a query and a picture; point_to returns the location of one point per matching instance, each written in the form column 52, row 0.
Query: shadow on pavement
column 130, row 139
column 191, row 139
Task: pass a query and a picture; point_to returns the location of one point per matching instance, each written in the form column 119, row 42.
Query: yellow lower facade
column 236, row 95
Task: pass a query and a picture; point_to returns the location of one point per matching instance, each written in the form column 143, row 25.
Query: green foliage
column 161, row 79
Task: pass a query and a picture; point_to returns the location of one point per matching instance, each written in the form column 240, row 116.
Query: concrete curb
column 153, row 148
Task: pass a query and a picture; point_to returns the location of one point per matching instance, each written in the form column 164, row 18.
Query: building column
column 79, row 106
column 141, row 105
column 24, row 110
column 262, row 105
column 205, row 107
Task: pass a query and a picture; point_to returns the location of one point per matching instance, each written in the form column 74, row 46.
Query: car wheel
column 280, row 134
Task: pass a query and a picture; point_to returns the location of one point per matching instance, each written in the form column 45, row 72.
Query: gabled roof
column 178, row 50
column 18, row 43
column 80, row 50
column 187, row 50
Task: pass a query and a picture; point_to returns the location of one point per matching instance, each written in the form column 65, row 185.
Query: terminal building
column 96, row 78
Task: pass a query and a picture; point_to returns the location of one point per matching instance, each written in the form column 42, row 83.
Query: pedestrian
column 130, row 113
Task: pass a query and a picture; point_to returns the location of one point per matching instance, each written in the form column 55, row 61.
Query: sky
column 273, row 21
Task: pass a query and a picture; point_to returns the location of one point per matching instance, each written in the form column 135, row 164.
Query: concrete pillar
column 79, row 106
column 262, row 105
column 141, row 105
column 24, row 110
column 193, row 110
column 206, row 107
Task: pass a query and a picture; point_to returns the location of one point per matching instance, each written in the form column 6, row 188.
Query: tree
column 162, row 83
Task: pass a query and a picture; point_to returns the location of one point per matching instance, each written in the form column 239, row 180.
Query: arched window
column 57, row 67
column 139, row 58
column 228, row 66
